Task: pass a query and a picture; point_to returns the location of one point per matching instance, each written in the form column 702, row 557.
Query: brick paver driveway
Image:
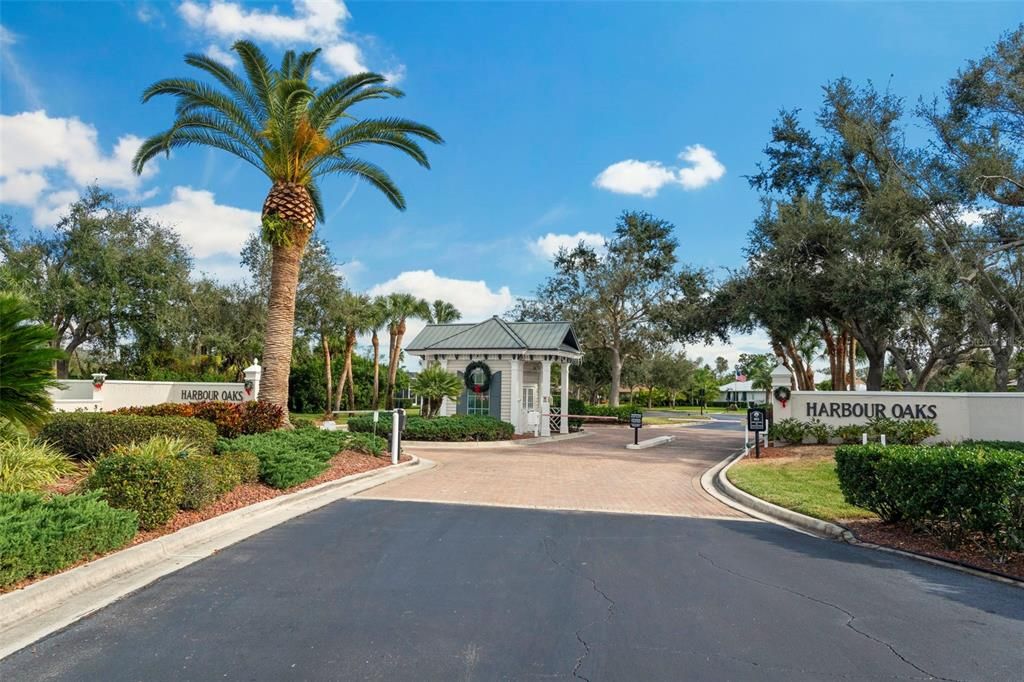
column 594, row 473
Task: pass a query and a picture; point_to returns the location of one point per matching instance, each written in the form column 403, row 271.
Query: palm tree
column 376, row 318
column 398, row 309
column 26, row 366
column 443, row 312
column 295, row 133
column 434, row 384
column 352, row 313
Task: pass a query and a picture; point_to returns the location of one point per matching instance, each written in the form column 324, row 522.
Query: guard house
column 505, row 368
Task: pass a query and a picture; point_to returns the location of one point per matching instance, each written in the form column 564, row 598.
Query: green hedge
column 40, row 535
column 288, row 458
column 449, row 429
column 621, row 412
column 88, row 435
column 948, row 490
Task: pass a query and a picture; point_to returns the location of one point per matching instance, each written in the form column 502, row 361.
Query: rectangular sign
column 636, row 420
column 757, row 419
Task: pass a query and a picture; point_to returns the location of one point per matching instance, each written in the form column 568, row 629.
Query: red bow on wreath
column 477, row 388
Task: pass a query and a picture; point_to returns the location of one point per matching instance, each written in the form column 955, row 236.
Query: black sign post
column 757, row 421
column 702, row 394
column 636, row 422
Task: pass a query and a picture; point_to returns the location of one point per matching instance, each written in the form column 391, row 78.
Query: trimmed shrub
column 818, row 430
column 204, row 479
column 449, row 429
column 856, row 466
column 26, row 465
column 245, row 464
column 950, row 491
column 149, row 483
column 903, row 431
column 231, row 419
column 88, row 435
column 288, row 458
column 40, row 535
column 790, row 430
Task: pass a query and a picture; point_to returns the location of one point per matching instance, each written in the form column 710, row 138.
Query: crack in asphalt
column 848, row 624
column 610, row 612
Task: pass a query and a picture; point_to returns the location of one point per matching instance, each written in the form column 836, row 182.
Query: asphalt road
column 380, row 590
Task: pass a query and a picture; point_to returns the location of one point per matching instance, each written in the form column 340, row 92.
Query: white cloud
column 755, row 343
column 474, row 299
column 351, row 270
column 646, row 178
column 52, row 207
column 207, row 227
column 317, row 23
column 40, row 152
column 547, row 247
column 22, row 188
column 345, row 58
column 16, row 71
column 223, row 56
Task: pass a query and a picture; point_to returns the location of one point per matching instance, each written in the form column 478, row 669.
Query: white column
column 781, row 377
column 564, row 391
column 443, row 410
column 545, row 397
column 252, row 375
column 516, row 388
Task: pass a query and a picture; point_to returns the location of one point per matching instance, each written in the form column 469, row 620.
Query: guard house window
column 478, row 403
column 477, row 399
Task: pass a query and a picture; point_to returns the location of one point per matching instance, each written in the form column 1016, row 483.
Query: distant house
column 742, row 392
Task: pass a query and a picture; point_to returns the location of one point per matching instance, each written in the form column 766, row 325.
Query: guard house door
column 529, row 401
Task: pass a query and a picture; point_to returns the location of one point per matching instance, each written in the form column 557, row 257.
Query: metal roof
column 497, row 334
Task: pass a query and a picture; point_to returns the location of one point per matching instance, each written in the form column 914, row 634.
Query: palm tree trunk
column 277, row 343
column 376, row 370
column 350, row 346
column 327, row 371
column 396, row 343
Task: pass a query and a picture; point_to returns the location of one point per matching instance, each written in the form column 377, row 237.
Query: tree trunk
column 393, row 365
column 853, row 364
column 376, row 370
column 280, row 335
column 616, row 368
column 350, row 347
column 876, row 368
column 328, row 376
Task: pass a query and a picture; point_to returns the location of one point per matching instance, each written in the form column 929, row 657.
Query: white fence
column 959, row 416
column 99, row 395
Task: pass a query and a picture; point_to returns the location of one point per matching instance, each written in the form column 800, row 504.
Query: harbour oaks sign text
column 864, row 410
column 189, row 395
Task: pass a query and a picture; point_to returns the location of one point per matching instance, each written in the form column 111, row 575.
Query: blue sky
column 557, row 118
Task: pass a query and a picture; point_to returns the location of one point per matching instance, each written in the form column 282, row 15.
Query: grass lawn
column 808, row 486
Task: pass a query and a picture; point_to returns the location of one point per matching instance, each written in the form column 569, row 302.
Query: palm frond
column 370, row 172
column 230, row 80
column 257, row 69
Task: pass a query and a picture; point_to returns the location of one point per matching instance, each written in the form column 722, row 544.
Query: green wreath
column 782, row 394
column 468, row 377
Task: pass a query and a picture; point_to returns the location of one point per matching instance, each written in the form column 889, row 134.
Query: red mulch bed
column 343, row 464
column 899, row 536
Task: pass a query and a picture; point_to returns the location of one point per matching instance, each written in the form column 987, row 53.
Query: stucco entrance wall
column 959, row 416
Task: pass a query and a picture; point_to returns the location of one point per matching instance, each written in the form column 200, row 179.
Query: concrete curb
column 48, row 605
column 716, row 483
column 650, row 442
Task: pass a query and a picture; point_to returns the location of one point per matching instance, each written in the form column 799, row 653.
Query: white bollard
column 883, row 440
column 394, row 436
column 863, row 439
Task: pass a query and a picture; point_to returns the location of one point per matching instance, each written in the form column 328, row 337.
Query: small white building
column 742, row 392
column 505, row 368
